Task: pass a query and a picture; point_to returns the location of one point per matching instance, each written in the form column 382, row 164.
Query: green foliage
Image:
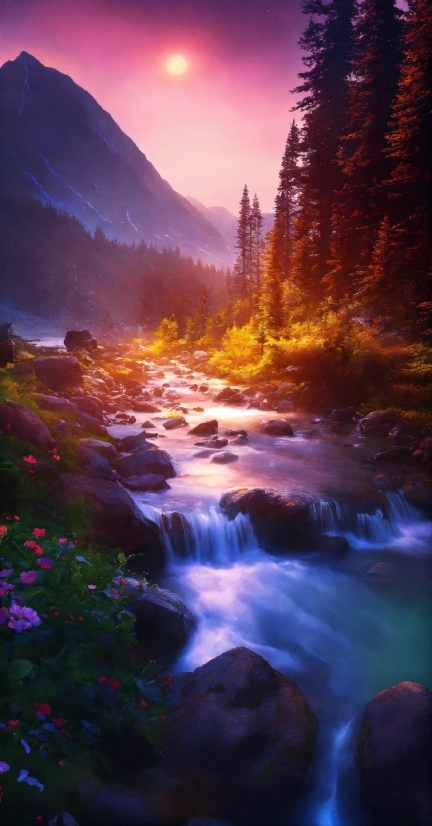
column 69, row 673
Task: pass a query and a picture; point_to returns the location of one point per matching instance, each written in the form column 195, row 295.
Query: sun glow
column 176, row 64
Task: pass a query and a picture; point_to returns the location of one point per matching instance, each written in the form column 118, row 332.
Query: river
column 341, row 633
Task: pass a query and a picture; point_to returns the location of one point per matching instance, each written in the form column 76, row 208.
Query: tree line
column 353, row 210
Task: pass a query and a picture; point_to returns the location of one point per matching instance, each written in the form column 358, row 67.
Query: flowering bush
column 70, row 676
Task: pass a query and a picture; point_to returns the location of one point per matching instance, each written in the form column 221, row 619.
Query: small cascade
column 206, row 537
column 339, row 754
column 332, row 517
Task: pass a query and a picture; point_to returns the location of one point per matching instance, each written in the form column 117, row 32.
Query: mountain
column 226, row 223
column 59, row 146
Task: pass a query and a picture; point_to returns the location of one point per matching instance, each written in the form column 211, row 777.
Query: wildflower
column 29, row 577
column 102, row 679
column 6, row 572
column 30, row 460
column 113, row 683
column 60, row 722
column 22, row 618
column 17, row 518
column 60, row 762
column 81, row 619
column 62, row 540
column 45, row 563
column 38, row 532
column 12, row 723
column 25, row 746
column 92, row 587
column 4, row 767
column 19, row 625
column 56, row 613
column 3, row 529
column 142, row 704
column 30, row 470
column 56, row 456
column 4, row 615
column 5, row 588
column 42, row 709
column 24, row 775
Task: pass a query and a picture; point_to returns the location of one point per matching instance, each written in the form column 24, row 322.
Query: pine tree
column 256, row 248
column 361, row 203
column 329, row 46
column 279, row 254
column 410, row 150
column 242, row 267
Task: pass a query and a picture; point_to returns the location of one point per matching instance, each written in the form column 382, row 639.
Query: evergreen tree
column 242, row 267
column 361, row 203
column 256, row 248
column 410, row 150
column 329, row 45
column 279, row 254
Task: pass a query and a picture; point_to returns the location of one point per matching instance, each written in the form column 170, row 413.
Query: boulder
column 419, row 494
column 145, row 407
column 205, row 428
column 225, row 457
column 226, row 393
column 282, row 521
column 144, row 461
column 216, row 443
column 235, row 432
column 116, row 807
column 57, row 404
column 174, row 423
column 77, row 339
column 25, row 424
column 105, row 449
column 58, row 372
column 344, row 415
column 131, row 443
column 237, row 398
column 285, row 406
column 239, row 741
column 163, row 623
column 395, row 456
column 378, row 422
column 265, row 405
column 240, row 440
column 404, row 433
column 394, row 756
column 93, row 464
column 115, row 520
column 89, row 405
column 277, row 427
column 150, row 482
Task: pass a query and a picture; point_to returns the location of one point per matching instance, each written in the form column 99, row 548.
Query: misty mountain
column 226, row 223
column 59, row 146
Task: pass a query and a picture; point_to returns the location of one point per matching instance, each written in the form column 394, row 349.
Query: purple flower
column 5, row 588
column 29, row 577
column 4, row 767
column 19, row 625
column 6, row 572
column 45, row 563
column 4, row 615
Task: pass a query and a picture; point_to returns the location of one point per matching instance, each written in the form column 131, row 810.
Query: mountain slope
column 59, row 146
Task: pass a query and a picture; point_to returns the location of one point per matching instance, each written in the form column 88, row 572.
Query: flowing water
column 340, row 632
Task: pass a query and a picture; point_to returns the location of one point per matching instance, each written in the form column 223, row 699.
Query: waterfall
column 339, row 754
column 332, row 517
column 206, row 537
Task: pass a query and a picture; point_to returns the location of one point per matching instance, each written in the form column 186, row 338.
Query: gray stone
column 18, row 420
column 225, row 457
column 106, row 449
column 144, row 461
column 174, row 423
column 150, row 482
column 58, row 372
column 205, row 428
column 277, row 427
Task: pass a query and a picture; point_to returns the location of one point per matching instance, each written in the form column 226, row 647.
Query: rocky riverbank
column 237, row 740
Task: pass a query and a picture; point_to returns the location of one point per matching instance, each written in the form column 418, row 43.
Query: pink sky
column 208, row 132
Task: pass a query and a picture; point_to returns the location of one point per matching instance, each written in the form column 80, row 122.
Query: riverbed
column 342, row 632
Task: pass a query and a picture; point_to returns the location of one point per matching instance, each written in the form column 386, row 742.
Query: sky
column 222, row 123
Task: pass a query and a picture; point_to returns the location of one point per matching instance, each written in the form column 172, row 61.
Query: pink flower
column 113, row 683
column 39, row 532
column 30, row 460
column 17, row 518
column 56, row 456
column 92, row 587
column 42, row 709
column 5, row 588
column 3, row 530
column 62, row 541
column 45, row 563
column 29, row 577
column 4, row 616
column 22, row 618
column 31, row 544
column 59, row 722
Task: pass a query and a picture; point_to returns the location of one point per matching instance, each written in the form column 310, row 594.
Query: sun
column 176, row 64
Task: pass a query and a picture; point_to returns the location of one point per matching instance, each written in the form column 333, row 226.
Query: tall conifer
column 242, row 267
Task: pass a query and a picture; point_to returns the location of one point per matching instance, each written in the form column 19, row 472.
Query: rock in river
column 394, row 756
column 277, row 427
column 144, row 461
column 162, row 620
column 149, row 482
column 239, row 741
column 282, row 521
column 225, row 457
column 205, row 428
